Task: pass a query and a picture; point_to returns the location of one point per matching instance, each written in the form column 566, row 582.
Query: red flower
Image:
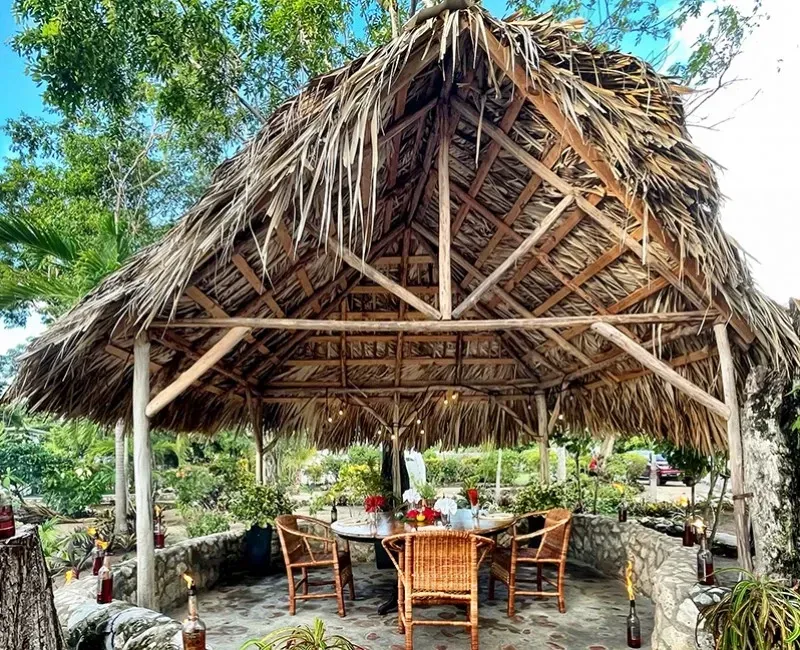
column 430, row 514
column 412, row 514
column 374, row 503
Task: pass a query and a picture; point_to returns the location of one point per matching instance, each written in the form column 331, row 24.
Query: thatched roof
column 354, row 156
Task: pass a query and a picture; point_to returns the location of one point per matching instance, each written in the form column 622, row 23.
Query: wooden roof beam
column 255, row 282
column 504, row 59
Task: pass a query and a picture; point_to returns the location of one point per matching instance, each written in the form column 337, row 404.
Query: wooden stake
column 445, row 288
column 544, row 444
column 200, row 367
column 142, row 470
column 530, row 241
column 661, row 369
column 735, row 453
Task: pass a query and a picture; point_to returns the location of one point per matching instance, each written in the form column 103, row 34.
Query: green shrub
column 258, row 505
column 71, row 490
column 200, row 522
column 566, row 495
column 626, row 467
column 196, row 486
column 539, row 497
column 364, row 455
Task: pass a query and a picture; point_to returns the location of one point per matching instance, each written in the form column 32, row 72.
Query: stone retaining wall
column 123, row 626
column 663, row 570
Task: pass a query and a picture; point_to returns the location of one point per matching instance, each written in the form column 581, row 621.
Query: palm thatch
column 354, row 157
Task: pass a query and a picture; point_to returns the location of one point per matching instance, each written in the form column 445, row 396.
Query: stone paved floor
column 595, row 617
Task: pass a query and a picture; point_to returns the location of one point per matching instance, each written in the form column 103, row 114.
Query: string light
column 454, row 396
column 341, row 412
column 330, row 419
column 419, row 421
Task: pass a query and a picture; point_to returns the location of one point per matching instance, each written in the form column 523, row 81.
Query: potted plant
column 427, row 493
column 257, row 506
column 301, row 637
column 758, row 612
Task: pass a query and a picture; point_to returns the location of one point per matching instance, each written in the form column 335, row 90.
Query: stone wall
column 663, row 570
column 123, row 626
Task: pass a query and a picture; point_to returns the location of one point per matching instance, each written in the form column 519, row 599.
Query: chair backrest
column 292, row 541
column 443, row 561
column 555, row 542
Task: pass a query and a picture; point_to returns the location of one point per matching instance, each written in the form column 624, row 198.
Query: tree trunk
column 771, row 473
column 28, row 618
column 120, row 481
column 561, row 471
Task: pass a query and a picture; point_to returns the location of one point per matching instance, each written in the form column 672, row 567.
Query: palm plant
column 301, row 637
column 759, row 613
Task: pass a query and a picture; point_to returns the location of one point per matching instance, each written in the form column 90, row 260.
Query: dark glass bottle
column 705, row 562
column 159, row 534
column 105, row 582
column 194, row 630
column 634, row 628
column 7, row 527
column 622, row 512
column 97, row 558
column 688, row 533
column 334, row 513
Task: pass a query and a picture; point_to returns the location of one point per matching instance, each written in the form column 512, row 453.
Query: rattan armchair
column 309, row 544
column 438, row 567
column 552, row 552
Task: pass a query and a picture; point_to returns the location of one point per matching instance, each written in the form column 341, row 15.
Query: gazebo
column 468, row 233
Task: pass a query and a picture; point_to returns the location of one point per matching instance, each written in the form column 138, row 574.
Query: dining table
column 360, row 530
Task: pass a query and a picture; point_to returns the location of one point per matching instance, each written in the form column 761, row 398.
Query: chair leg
column 474, row 627
column 400, row 606
column 491, row 587
column 352, row 584
column 292, row 599
column 511, row 594
column 562, row 605
column 337, row 584
column 305, row 582
column 409, row 636
column 538, row 577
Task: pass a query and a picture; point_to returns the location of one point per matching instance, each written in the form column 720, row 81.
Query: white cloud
column 9, row 337
column 757, row 142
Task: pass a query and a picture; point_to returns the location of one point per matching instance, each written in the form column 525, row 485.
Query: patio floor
column 595, row 617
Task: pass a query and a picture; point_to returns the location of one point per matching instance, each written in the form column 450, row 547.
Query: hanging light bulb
column 341, row 412
column 454, row 396
column 330, row 419
column 422, row 430
column 419, row 421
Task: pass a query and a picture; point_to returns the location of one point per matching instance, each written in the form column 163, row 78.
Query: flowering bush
column 374, row 503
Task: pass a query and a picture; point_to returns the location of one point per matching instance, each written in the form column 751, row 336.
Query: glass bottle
column 474, row 503
column 688, row 533
column 622, row 512
column 7, row 527
column 97, row 557
column 705, row 562
column 105, row 582
column 634, row 627
column 194, row 630
column 334, row 513
column 159, row 533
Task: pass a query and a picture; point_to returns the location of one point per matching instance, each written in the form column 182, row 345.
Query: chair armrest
column 522, row 538
column 394, row 545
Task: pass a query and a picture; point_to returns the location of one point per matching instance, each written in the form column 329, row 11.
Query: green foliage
column 200, row 522
column 566, row 495
column 26, row 461
column 626, row 467
column 694, row 464
column 258, row 505
column 759, row 612
column 300, row 637
column 540, row 497
column 354, row 484
column 365, row 455
column 195, row 486
column 72, row 490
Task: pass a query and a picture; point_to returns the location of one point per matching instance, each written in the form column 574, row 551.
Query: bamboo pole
column 472, row 325
column 397, row 475
column 661, row 369
column 200, row 367
column 544, row 445
column 528, row 243
column 142, row 455
column 120, row 480
column 735, row 453
column 445, row 287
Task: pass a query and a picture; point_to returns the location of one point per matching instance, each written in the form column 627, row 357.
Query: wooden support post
column 445, row 287
column 200, row 367
column 544, row 444
column 397, row 476
column 735, row 454
column 658, row 367
column 561, row 468
column 120, row 481
column 28, row 618
column 254, row 407
column 142, row 454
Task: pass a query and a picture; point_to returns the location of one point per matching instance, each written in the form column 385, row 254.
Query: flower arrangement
column 425, row 516
column 374, row 503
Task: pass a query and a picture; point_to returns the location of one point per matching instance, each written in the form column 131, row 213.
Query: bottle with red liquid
column 472, row 495
column 622, row 512
column 705, row 561
column 634, row 627
column 7, row 527
column 105, row 582
column 159, row 533
column 194, row 630
column 97, row 557
column 688, row 533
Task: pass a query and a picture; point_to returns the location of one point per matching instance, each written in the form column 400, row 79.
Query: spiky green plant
column 759, row 613
column 301, row 637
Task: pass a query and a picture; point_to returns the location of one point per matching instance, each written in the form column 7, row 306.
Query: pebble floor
column 595, row 617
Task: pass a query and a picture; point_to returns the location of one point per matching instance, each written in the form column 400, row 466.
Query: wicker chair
column 305, row 550
column 438, row 567
column 552, row 552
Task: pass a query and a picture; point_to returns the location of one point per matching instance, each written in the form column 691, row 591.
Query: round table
column 358, row 529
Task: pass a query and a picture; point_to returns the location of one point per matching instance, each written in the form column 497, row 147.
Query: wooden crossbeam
column 527, row 244
column 360, row 265
column 674, row 362
column 407, row 361
column 504, row 59
column 482, row 325
column 663, row 370
column 404, row 281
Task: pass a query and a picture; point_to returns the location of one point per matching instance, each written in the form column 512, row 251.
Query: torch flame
column 102, row 544
column 68, row 576
column 92, row 531
column 629, row 581
column 189, row 580
column 158, row 511
column 699, row 525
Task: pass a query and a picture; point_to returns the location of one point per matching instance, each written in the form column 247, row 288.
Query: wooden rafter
column 504, row 59
column 285, row 239
column 404, row 281
column 674, row 362
column 255, row 282
column 445, row 285
column 407, row 361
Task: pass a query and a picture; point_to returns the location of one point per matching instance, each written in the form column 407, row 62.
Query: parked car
column 665, row 471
